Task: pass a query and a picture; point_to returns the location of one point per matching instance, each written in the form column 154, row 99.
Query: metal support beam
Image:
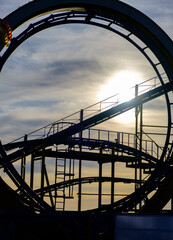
column 136, row 135
column 140, row 144
column 80, row 161
column 23, row 162
column 48, row 184
column 42, row 171
column 23, row 165
column 100, row 183
column 32, row 171
column 138, row 125
column 112, row 178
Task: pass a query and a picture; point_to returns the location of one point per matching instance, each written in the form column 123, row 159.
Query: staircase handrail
column 94, row 109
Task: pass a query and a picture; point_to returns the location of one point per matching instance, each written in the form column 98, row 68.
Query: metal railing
column 91, row 111
column 149, row 146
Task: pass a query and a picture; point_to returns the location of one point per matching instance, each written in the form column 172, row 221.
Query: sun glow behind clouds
column 122, row 84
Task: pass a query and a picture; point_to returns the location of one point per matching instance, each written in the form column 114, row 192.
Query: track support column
column 136, row 135
column 100, row 183
column 32, row 171
column 112, row 178
column 80, row 161
column 23, row 162
column 42, row 171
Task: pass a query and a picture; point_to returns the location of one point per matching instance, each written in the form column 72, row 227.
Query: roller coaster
column 72, row 140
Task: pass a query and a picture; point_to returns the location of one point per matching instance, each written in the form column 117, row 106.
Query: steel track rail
column 22, row 185
column 59, row 137
column 84, row 181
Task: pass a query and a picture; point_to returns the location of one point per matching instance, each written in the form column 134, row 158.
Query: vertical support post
column 48, row 184
column 70, row 174
column 42, row 171
column 112, row 178
column 56, row 169
column 80, row 161
column 140, row 146
column 32, row 171
column 136, row 133
column 141, row 131
column 100, row 183
column 23, row 162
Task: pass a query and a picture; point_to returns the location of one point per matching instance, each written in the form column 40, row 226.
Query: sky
column 67, row 68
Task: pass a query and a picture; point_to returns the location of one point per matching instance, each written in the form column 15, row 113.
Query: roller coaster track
column 92, row 121
column 160, row 176
column 65, row 137
column 108, row 15
column 84, row 181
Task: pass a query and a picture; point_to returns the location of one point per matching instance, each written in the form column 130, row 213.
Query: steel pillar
column 23, row 162
column 32, row 171
column 136, row 135
column 42, row 171
column 100, row 183
column 80, row 161
column 112, row 178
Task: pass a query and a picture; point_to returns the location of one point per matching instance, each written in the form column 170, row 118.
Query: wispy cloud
column 62, row 69
column 158, row 10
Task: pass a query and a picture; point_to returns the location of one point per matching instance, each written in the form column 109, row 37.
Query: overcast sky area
column 63, row 69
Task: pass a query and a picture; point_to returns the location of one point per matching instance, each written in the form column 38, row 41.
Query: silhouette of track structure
column 73, row 139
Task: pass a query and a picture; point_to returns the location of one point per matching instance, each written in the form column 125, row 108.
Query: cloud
column 61, row 70
column 8, row 6
column 159, row 11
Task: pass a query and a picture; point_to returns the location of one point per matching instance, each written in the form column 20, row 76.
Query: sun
column 122, row 83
